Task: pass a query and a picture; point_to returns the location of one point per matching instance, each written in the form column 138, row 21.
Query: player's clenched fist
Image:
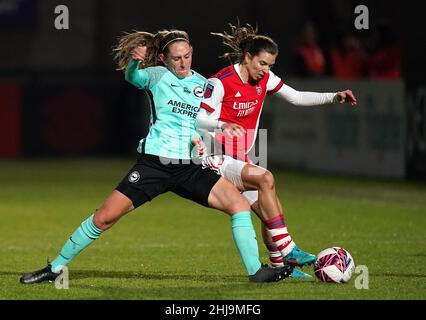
column 199, row 145
column 346, row 96
column 139, row 53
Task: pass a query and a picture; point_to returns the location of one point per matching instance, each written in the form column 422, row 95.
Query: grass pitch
column 175, row 249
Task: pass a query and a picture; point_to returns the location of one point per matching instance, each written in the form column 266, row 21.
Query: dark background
column 60, row 93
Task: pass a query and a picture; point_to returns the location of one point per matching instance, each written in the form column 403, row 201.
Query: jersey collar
column 237, row 70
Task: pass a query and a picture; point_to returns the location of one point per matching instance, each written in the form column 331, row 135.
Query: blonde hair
column 155, row 43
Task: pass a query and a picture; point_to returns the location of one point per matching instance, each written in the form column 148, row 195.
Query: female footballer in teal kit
column 165, row 154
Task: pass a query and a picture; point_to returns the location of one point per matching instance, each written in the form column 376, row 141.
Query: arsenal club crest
column 259, row 90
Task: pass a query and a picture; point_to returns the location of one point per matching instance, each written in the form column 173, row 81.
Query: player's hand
column 346, row 96
column 199, row 145
column 233, row 130
column 139, row 53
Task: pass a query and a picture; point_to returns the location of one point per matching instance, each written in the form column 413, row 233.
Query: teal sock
column 245, row 240
column 85, row 234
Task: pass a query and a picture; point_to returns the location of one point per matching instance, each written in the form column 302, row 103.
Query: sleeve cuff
column 278, row 87
column 207, row 107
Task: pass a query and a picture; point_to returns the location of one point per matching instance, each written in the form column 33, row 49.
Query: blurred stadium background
column 61, row 100
column 60, row 94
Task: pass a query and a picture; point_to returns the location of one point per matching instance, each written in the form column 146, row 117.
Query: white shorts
column 231, row 169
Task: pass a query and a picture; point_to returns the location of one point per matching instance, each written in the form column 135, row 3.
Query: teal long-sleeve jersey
column 176, row 102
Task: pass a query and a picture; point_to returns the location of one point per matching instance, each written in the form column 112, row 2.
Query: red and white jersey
column 230, row 100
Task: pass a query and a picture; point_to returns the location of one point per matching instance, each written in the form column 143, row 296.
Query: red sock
column 280, row 236
column 275, row 256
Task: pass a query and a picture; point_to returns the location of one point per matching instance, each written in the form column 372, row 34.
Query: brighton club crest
column 134, row 177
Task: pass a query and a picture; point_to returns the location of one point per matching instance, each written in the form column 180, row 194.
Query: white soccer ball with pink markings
column 334, row 264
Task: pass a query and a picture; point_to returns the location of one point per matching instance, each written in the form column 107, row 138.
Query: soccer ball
column 334, row 265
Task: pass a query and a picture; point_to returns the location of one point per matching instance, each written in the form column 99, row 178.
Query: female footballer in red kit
column 231, row 108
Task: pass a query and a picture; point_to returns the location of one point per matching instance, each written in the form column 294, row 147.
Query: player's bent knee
column 267, row 180
column 238, row 204
column 100, row 222
column 105, row 219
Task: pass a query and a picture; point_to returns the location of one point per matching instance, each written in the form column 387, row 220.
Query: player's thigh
column 147, row 179
column 194, row 183
column 226, row 197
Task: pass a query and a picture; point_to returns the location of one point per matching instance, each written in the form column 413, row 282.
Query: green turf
column 174, row 249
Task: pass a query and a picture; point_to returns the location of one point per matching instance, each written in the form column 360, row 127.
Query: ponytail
column 127, row 43
column 155, row 44
column 243, row 39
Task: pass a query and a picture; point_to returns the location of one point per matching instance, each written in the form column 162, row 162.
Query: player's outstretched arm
column 306, row 98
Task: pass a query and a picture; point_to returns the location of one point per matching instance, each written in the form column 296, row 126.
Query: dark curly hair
column 243, row 39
